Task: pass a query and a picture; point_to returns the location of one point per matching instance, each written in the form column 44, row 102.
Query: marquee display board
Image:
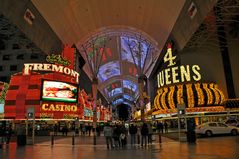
column 59, row 91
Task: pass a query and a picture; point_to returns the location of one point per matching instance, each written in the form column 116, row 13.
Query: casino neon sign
column 177, row 74
column 58, row 107
column 50, row 67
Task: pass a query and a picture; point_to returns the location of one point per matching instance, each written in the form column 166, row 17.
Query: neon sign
column 50, row 67
column 57, row 59
column 59, row 107
column 177, row 74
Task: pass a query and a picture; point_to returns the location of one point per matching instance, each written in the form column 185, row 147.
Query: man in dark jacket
column 144, row 134
column 108, row 133
column 116, row 136
column 8, row 134
column 132, row 132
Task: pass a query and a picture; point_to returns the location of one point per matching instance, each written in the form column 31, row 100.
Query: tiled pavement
column 205, row 148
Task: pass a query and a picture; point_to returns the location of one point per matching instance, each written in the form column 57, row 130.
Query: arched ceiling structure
column 119, row 62
column 123, row 22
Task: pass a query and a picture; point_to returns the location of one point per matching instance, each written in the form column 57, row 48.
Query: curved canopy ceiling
column 120, row 60
column 151, row 21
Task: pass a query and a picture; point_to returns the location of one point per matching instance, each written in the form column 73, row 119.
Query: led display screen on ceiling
column 118, row 101
column 126, row 103
column 130, row 85
column 110, row 53
column 128, row 68
column 134, row 45
column 109, row 70
column 113, row 85
column 115, row 91
column 59, row 91
column 128, row 97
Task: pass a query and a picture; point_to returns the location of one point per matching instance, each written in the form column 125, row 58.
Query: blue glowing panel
column 126, row 54
column 87, row 112
column 128, row 97
column 128, row 91
column 1, row 108
column 109, row 70
column 127, row 103
column 130, row 85
column 118, row 101
column 115, row 91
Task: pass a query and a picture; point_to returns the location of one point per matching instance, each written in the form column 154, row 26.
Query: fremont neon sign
column 177, row 74
column 50, row 67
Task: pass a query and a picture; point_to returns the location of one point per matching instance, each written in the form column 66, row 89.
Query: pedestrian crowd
column 116, row 135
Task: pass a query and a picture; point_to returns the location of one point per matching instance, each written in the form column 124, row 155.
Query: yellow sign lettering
column 59, row 108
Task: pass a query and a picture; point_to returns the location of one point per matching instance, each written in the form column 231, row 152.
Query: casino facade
column 51, row 90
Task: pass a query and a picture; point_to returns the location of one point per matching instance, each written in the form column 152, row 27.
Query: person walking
column 116, row 136
column 8, row 134
column 98, row 130
column 83, row 130
column 144, row 134
column 165, row 127
column 133, row 132
column 123, row 136
column 108, row 132
column 160, row 127
column 55, row 129
column 150, row 133
column 89, row 129
column 65, row 130
column 21, row 135
column 138, row 134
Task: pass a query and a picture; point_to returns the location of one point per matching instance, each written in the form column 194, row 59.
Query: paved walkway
column 205, row 148
column 84, row 140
